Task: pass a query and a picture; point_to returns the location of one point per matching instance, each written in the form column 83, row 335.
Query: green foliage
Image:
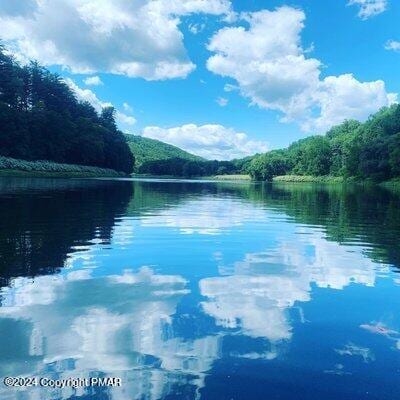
column 187, row 168
column 234, row 177
column 243, row 164
column 157, row 158
column 308, row 178
column 394, row 154
column 148, row 150
column 40, row 119
column 342, row 140
column 311, row 156
column 351, row 149
column 265, row 166
column 13, row 164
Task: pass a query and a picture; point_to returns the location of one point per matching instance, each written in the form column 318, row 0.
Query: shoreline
column 42, row 169
column 94, row 172
column 238, row 177
column 392, row 184
column 55, row 174
column 312, row 179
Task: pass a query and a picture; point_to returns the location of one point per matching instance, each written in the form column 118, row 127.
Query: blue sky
column 219, row 78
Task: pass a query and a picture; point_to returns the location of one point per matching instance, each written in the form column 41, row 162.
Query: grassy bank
column 393, row 184
column 228, row 177
column 207, row 178
column 14, row 167
column 308, row 179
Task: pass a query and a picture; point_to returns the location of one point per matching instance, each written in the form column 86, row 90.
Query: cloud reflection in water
column 76, row 325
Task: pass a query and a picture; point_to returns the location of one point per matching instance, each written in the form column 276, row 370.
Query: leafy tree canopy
column 41, row 119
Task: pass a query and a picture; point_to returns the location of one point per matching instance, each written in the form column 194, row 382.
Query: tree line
column 369, row 150
column 41, row 119
column 187, row 168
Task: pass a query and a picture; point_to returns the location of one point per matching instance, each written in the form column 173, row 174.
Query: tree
column 341, row 138
column 266, row 166
column 107, row 118
column 192, row 168
column 41, row 119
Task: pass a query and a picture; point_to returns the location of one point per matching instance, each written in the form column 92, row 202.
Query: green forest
column 148, row 150
column 369, row 150
column 41, row 119
column 154, row 157
column 188, row 168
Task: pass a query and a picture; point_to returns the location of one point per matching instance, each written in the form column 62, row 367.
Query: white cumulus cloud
column 272, row 70
column 393, row 45
column 124, row 121
column 209, row 141
column 344, row 97
column 93, row 81
column 138, row 38
column 369, row 8
column 86, row 95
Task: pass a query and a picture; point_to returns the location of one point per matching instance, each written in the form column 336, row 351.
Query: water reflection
column 353, row 350
column 42, row 219
column 243, row 291
column 120, row 325
column 207, row 215
column 259, row 290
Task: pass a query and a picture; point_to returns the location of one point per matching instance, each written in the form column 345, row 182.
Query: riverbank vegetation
column 41, row 119
column 233, row 177
column 308, row 179
column 368, row 151
column 12, row 166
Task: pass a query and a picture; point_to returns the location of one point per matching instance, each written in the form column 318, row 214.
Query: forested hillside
column 367, row 151
column 158, row 158
column 41, row 119
column 148, row 150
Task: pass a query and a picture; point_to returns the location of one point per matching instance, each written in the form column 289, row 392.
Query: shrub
column 7, row 163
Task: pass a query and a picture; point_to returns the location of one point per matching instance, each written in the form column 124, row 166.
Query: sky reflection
column 186, row 299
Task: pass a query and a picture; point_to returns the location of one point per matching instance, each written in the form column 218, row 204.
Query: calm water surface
column 196, row 290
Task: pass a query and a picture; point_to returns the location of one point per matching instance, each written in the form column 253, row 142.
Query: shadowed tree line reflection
column 348, row 214
column 42, row 219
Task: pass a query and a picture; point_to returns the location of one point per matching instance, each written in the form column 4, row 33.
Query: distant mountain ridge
column 146, row 150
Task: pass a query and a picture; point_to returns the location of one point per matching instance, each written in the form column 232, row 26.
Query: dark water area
column 200, row 290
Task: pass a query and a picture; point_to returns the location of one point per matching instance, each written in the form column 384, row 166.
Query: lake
column 199, row 290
